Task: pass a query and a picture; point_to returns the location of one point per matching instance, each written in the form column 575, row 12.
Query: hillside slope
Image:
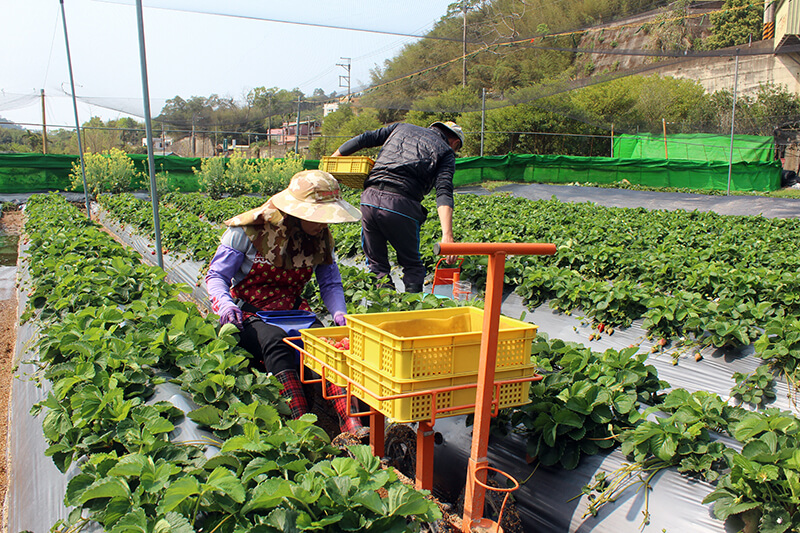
column 629, row 41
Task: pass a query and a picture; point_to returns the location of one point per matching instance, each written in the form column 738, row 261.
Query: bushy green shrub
column 236, row 176
column 273, row 175
column 211, row 176
column 110, row 171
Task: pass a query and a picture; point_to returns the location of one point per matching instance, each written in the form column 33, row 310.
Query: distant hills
column 4, row 123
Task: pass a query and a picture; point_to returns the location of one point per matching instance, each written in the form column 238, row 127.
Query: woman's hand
column 339, row 319
column 231, row 315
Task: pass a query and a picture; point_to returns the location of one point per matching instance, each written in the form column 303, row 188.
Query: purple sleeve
column 223, row 267
column 330, row 286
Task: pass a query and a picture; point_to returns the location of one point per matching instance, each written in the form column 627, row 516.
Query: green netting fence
column 561, row 169
column 25, row 173
column 695, row 147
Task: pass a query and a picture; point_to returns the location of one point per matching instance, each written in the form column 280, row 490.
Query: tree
column 342, row 125
column 737, row 23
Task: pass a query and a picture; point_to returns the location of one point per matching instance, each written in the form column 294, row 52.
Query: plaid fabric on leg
column 347, row 424
column 293, row 391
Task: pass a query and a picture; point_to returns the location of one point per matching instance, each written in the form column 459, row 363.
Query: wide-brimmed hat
column 314, row 195
column 450, row 127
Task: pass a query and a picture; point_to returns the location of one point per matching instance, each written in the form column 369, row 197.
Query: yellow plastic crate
column 349, row 170
column 333, row 357
column 416, row 408
column 434, row 343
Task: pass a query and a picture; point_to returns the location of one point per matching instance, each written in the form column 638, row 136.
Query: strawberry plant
column 779, row 345
column 763, row 478
column 179, row 230
column 582, row 397
column 729, row 322
column 754, row 389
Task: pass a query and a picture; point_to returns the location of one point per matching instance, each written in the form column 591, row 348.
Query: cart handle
column 457, row 263
column 493, row 248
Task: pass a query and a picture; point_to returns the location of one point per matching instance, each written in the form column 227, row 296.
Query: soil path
column 10, row 224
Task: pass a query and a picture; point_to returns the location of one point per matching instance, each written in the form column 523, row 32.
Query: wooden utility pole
column 44, row 127
column 269, row 129
column 612, row 139
column 297, row 130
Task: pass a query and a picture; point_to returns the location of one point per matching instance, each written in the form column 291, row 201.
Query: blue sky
column 194, row 48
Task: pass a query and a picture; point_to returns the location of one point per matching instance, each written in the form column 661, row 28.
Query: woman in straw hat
column 264, row 261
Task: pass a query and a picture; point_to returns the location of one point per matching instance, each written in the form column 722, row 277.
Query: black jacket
column 413, row 159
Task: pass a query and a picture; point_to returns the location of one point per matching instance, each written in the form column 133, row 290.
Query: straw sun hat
column 314, row 195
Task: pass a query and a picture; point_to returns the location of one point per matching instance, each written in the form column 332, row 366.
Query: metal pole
column 483, row 117
column 297, row 130
column 664, row 124
column 44, row 127
column 75, row 108
column 151, row 163
column 345, row 66
column 733, row 119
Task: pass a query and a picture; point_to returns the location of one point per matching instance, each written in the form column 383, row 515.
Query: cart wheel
column 400, row 449
column 510, row 522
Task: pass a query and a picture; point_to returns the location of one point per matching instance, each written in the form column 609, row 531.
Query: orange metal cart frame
column 478, row 463
column 485, row 407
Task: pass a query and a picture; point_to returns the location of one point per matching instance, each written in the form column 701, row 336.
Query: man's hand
column 336, row 153
column 231, row 315
column 451, row 259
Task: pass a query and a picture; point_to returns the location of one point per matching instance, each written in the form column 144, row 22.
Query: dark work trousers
column 389, row 217
column 265, row 342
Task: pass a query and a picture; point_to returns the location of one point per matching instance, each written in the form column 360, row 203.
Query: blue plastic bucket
column 291, row 322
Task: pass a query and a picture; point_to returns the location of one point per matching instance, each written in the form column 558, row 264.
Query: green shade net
column 23, row 173
column 531, row 168
column 695, row 147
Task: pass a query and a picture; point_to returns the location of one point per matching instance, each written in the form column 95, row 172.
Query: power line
column 293, row 22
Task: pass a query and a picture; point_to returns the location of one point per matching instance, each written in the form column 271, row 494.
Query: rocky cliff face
column 629, row 43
